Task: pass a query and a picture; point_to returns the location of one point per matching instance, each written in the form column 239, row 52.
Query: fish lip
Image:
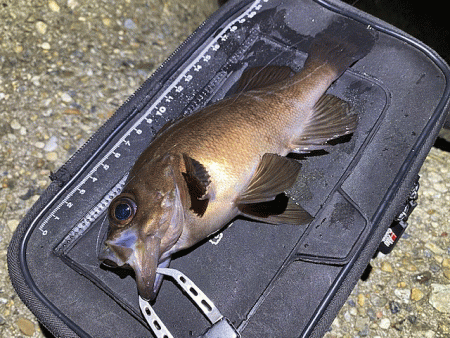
column 108, row 258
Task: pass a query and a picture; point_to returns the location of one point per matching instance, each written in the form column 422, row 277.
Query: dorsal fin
column 273, row 176
column 198, row 181
column 331, row 118
column 260, row 77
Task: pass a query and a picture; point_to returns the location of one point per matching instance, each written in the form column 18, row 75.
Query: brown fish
column 227, row 159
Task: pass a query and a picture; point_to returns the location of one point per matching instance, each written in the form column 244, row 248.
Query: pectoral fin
column 331, row 118
column 273, row 176
column 264, row 199
column 198, row 182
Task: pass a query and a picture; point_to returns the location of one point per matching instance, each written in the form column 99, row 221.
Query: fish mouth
column 145, row 264
column 142, row 257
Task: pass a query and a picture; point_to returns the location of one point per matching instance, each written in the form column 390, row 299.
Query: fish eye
column 122, row 210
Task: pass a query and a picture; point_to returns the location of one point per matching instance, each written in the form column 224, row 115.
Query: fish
column 228, row 159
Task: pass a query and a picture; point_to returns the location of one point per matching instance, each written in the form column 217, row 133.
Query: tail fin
column 341, row 44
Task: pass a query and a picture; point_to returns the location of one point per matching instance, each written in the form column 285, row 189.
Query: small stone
column 347, row 316
column 416, row 294
column 444, row 329
column 434, row 248
column 394, row 307
column 429, row 334
column 446, row 263
column 52, row 156
column 385, row 323
column 12, row 224
column 412, row 319
column 401, row 285
column 422, row 277
column 129, row 24
column 2, row 321
column 41, row 27
column 18, row 49
column 39, row 145
column 386, row 267
column 371, row 313
column 25, row 326
column 361, row 323
column 403, row 294
column 378, row 301
column 51, row 144
column 434, row 268
column 45, row 46
column 446, row 273
column 53, row 6
column 361, row 299
column 106, row 21
column 399, row 325
column 15, row 125
column 66, row 98
column 72, row 4
column 440, row 297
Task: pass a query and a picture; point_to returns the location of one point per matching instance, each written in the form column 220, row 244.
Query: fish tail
column 341, row 44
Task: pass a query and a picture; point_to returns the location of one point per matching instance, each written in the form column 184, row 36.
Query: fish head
column 145, row 221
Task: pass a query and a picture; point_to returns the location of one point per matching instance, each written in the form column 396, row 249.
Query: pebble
column 386, row 267
column 403, row 294
column 446, row 263
column 25, row 326
column 18, row 49
column 66, row 98
column 440, row 297
column 129, row 24
column 2, row 320
column 72, row 4
column 434, row 248
column 41, row 27
column 446, row 273
column 53, row 6
column 106, row 22
column 394, row 307
column 15, row 125
column 39, row 144
column 385, row 323
column 51, row 156
column 12, row 224
column 51, row 144
column 423, row 277
column 378, row 301
column 45, row 46
column 416, row 294
column 361, row 299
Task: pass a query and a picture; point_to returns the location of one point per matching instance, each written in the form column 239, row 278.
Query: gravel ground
column 67, row 65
